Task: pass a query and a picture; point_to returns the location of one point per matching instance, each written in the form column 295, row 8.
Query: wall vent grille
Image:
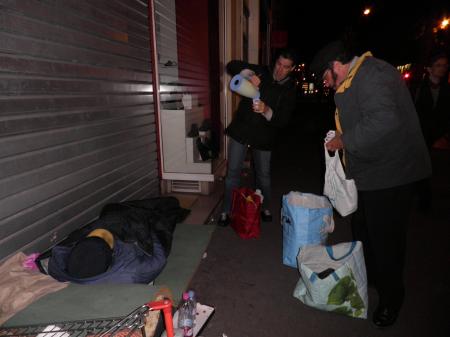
column 185, row 186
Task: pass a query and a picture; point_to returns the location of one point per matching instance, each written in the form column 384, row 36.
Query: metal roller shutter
column 77, row 126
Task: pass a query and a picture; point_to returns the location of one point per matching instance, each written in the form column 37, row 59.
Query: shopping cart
column 132, row 325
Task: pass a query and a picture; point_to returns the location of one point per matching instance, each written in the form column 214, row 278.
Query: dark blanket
column 134, row 221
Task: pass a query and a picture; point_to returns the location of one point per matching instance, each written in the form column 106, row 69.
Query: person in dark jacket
column 432, row 99
column 128, row 243
column 101, row 257
column 385, row 153
column 256, row 124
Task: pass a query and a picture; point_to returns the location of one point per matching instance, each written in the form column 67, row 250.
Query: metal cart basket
column 132, row 325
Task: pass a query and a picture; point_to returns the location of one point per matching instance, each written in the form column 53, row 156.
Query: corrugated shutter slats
column 77, row 124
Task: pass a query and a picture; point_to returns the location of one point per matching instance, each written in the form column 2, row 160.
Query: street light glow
column 444, row 23
column 366, row 11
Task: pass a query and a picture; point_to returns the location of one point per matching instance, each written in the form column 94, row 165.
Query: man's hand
column 335, row 143
column 250, row 76
column 259, row 106
column 255, row 80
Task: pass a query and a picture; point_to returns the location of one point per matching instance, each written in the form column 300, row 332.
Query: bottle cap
column 191, row 294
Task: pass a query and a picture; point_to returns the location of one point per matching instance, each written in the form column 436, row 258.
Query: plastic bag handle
column 331, row 254
column 329, row 157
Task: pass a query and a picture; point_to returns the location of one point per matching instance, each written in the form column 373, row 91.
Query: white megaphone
column 244, row 87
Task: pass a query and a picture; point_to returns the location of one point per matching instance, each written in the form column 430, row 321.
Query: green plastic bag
column 333, row 278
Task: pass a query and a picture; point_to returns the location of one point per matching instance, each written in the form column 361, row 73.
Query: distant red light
column 406, row 76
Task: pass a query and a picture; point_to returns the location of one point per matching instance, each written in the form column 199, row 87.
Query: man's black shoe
column 266, row 216
column 224, row 220
column 384, row 316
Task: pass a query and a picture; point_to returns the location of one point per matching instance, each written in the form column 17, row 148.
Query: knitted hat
column 103, row 234
column 91, row 256
column 331, row 52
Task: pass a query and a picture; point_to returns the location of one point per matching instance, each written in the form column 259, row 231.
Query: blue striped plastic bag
column 307, row 219
column 333, row 278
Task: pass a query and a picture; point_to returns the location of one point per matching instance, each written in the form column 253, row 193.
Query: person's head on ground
column 91, row 256
column 331, row 63
column 284, row 64
column 437, row 66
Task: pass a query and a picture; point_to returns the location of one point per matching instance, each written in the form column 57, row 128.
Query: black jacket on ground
column 135, row 221
column 250, row 128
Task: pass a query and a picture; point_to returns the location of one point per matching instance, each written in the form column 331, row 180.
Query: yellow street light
column 366, row 11
column 442, row 25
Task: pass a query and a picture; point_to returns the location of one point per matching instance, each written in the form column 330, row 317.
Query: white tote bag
column 342, row 192
column 333, row 278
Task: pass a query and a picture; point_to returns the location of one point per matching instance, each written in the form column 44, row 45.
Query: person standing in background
column 256, row 123
column 385, row 153
column 432, row 100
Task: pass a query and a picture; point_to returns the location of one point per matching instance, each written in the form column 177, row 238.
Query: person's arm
column 262, row 108
column 280, row 114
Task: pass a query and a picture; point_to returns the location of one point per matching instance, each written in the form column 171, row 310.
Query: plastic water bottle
column 185, row 317
column 193, row 301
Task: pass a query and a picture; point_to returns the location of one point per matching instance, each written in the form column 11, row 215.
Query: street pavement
column 251, row 289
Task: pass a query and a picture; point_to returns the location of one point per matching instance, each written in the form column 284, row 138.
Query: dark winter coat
column 250, row 128
column 435, row 120
column 384, row 145
column 136, row 221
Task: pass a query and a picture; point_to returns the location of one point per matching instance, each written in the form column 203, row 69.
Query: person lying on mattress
column 128, row 243
column 100, row 257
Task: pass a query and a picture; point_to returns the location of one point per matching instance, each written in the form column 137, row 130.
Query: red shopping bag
column 245, row 208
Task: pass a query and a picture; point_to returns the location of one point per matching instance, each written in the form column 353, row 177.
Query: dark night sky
column 391, row 32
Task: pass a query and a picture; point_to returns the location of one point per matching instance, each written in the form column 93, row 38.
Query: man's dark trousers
column 381, row 223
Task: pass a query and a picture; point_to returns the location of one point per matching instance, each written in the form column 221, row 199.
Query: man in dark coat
column 256, row 124
column 432, row 99
column 385, row 153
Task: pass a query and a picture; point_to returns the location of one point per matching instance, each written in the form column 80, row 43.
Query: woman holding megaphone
column 268, row 99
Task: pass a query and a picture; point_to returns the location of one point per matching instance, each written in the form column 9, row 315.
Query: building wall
column 254, row 27
column 77, row 126
column 244, row 26
column 193, row 46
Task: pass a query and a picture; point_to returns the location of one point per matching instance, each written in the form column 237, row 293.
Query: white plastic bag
column 333, row 278
column 342, row 192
